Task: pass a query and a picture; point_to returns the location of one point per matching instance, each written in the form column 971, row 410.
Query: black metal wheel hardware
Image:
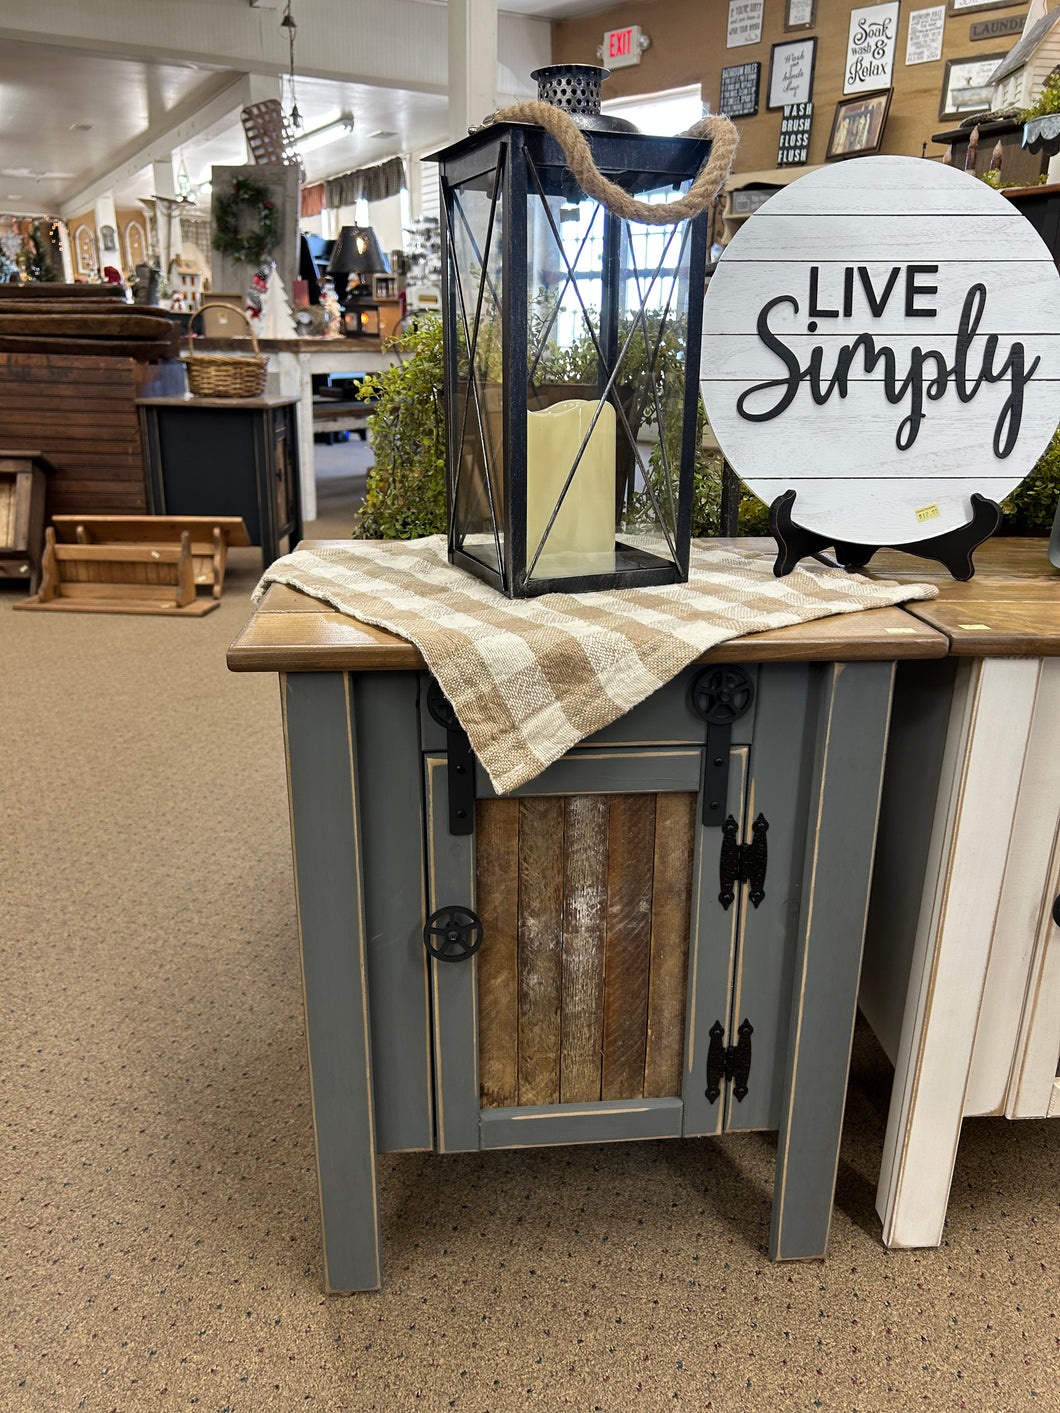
column 453, row 934
column 721, row 695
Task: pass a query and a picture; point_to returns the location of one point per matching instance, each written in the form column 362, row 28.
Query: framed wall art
column 857, row 128
column 962, row 7
column 739, row 90
column 800, row 14
column 791, row 72
column 745, row 23
column 966, row 86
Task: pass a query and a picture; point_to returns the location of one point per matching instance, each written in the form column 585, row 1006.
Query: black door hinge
column 460, row 760
column 728, row 1063
column 743, row 863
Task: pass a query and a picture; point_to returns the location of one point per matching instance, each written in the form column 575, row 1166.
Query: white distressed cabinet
column 961, row 978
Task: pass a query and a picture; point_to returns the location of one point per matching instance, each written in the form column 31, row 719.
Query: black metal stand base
column 953, row 550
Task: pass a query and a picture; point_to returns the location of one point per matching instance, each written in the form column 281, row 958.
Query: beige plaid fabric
column 528, row 679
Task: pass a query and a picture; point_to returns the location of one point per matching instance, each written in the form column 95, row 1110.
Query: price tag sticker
column 899, row 630
column 971, row 627
column 928, row 512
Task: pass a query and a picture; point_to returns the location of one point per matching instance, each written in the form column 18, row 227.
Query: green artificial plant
column 1029, row 510
column 406, row 487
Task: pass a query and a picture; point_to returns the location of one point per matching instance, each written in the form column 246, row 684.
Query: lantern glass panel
column 606, row 340
column 477, row 222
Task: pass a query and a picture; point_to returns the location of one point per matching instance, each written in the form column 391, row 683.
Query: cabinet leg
column 852, row 723
column 320, row 736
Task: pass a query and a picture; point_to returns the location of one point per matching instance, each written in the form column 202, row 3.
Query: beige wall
column 688, row 46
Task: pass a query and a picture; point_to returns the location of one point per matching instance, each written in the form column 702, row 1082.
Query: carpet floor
column 158, row 1201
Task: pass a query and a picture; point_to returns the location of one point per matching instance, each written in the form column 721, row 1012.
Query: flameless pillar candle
column 582, row 540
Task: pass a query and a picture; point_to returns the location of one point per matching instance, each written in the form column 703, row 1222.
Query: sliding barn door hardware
column 743, row 863
column 453, row 934
column 728, row 1062
column 720, row 695
column 461, row 762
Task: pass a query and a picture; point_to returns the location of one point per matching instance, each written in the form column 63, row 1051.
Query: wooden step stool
column 130, row 578
column 211, row 536
column 22, row 488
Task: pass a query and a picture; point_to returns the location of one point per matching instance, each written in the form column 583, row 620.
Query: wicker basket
column 226, row 374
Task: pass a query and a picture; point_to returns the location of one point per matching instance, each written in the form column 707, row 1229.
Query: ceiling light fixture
column 329, row 132
column 288, row 23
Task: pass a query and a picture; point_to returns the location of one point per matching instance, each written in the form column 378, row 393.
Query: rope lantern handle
column 722, row 132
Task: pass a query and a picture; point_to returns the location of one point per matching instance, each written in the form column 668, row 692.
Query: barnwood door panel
column 585, row 830
column 627, row 948
column 778, row 788
column 496, row 866
column 582, row 990
column 567, row 1025
column 675, row 836
column 540, row 940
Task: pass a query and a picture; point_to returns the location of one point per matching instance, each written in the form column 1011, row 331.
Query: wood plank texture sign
column 883, row 337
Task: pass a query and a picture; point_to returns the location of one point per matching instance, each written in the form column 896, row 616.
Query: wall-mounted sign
column 794, row 147
column 961, row 7
column 745, row 23
column 746, row 200
column 622, row 47
column 870, row 47
column 966, row 86
column 923, row 43
column 800, row 14
column 739, row 90
column 791, row 72
column 883, row 338
column 998, row 29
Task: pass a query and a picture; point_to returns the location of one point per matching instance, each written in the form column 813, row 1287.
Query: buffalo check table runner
column 530, row 678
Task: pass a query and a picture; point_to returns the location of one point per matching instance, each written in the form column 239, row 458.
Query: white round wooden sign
column 883, row 338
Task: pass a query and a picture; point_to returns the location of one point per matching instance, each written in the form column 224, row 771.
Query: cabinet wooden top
column 231, row 403
column 1011, row 608
column 291, row 632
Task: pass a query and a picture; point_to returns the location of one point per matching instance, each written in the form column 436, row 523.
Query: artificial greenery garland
column 253, row 245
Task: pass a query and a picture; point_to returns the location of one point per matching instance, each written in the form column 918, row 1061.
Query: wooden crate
column 119, row 579
column 81, row 413
column 22, row 492
column 211, row 536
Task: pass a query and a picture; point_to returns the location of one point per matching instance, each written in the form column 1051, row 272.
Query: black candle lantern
column 572, row 346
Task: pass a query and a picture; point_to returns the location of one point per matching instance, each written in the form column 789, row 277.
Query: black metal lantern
column 571, row 353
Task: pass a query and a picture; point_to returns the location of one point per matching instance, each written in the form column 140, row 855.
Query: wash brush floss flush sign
column 883, row 337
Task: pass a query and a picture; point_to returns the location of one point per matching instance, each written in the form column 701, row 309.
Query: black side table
column 226, row 456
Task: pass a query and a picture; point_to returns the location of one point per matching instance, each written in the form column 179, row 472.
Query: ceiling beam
column 222, row 99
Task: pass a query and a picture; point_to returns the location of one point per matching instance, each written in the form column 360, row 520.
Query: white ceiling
column 69, row 116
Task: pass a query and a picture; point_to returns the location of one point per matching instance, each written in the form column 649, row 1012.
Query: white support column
column 107, row 220
column 166, row 215
column 64, row 249
column 472, row 63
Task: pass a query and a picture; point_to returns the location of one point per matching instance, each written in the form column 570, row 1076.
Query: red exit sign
column 622, row 47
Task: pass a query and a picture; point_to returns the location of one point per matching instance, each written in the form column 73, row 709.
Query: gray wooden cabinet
column 400, row 1043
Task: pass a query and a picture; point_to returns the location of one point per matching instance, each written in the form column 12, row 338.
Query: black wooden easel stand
column 954, row 549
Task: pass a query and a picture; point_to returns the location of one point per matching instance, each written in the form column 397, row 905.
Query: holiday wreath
column 228, row 208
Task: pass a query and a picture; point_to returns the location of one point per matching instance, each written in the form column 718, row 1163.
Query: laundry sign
column 883, row 337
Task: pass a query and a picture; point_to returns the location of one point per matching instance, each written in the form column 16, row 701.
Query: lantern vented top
column 575, row 90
